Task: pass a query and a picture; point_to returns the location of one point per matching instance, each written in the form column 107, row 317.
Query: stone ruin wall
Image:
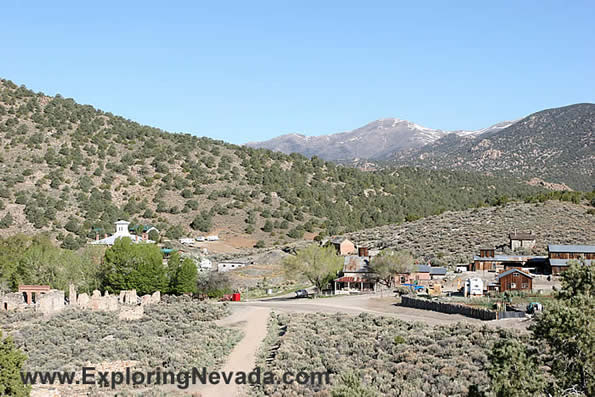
column 128, row 305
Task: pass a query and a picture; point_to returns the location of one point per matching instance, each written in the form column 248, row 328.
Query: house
column 515, row 279
column 356, row 275
column 343, row 245
column 559, row 255
column 473, row 287
column 488, row 260
column 227, row 266
column 521, row 240
column 122, row 231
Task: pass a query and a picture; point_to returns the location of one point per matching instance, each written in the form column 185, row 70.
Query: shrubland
column 173, row 335
column 72, row 170
column 388, row 356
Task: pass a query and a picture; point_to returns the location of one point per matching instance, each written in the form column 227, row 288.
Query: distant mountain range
column 378, row 140
column 550, row 146
column 556, row 145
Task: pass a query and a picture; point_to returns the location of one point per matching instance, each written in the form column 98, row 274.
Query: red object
column 235, row 297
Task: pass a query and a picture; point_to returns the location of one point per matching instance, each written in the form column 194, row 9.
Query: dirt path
column 253, row 322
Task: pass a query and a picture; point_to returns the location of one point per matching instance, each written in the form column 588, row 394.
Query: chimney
column 104, row 235
column 362, row 251
column 145, row 236
column 96, row 236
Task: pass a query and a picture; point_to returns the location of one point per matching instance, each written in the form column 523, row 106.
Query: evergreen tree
column 567, row 327
column 11, row 363
column 513, row 370
column 6, row 221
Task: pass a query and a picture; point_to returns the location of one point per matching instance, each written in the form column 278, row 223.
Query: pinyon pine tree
column 11, row 363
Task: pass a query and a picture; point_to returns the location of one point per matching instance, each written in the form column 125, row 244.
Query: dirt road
column 373, row 304
column 253, row 322
column 252, row 317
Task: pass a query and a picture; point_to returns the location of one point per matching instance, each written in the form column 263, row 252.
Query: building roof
column 338, row 240
column 510, row 271
column 349, row 279
column 355, row 264
column 438, row 271
column 121, row 222
column 521, row 236
column 564, row 262
column 583, row 249
column 508, row 258
column 112, row 239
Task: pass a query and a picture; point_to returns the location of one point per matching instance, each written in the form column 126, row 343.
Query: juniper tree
column 11, row 363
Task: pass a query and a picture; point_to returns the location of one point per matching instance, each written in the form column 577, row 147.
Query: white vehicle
column 200, row 238
column 186, row 241
column 212, row 238
column 473, row 287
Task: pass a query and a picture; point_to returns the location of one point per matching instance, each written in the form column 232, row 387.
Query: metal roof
column 338, row 240
column 507, row 258
column 355, row 264
column 438, row 271
column 564, row 262
column 571, row 248
column 521, row 236
column 512, row 271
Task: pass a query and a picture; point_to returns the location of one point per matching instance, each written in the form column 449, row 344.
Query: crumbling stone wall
column 13, row 301
column 51, row 302
column 126, row 303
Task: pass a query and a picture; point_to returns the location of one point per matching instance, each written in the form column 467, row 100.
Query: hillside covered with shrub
column 554, row 145
column 73, row 170
column 454, row 237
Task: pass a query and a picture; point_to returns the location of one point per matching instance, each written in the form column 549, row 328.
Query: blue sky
column 246, row 71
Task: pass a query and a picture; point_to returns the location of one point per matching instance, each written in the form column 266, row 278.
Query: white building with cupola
column 121, row 232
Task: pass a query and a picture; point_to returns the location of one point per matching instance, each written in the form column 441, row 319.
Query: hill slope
column 456, row 236
column 556, row 145
column 72, row 170
column 377, row 140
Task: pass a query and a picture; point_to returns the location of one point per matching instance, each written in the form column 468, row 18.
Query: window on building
column 512, row 285
column 525, row 285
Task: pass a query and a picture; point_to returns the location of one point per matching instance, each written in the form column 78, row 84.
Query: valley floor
column 252, row 318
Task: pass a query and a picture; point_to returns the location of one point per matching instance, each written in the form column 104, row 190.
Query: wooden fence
column 451, row 308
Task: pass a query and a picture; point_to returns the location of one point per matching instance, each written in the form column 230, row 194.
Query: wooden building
column 488, row 260
column 356, row 276
column 521, row 240
column 515, row 280
column 559, row 255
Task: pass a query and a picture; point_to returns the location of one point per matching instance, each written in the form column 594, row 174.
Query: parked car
column 301, row 293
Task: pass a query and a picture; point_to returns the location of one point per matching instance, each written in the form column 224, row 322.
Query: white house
column 227, row 266
column 121, row 231
column 473, row 287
